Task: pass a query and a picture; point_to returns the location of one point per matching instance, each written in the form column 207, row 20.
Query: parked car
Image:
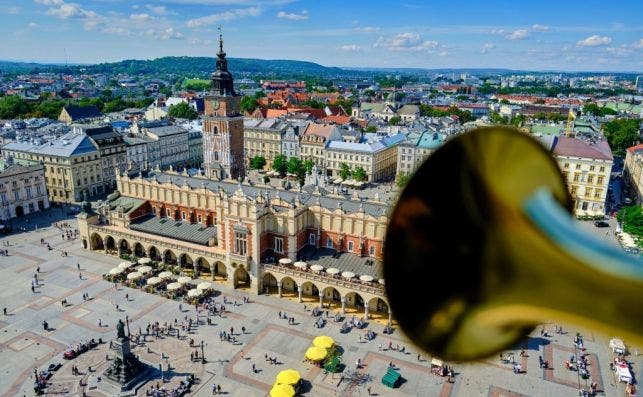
column 601, row 224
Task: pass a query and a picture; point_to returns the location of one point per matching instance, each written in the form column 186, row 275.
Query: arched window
column 216, row 130
column 216, row 155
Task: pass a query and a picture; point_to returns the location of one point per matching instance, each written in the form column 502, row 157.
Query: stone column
column 195, row 267
column 343, row 299
column 390, row 316
column 321, row 299
column 279, row 288
column 366, row 312
column 300, row 293
column 212, row 270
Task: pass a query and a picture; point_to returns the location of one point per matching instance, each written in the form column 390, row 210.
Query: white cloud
column 158, row 10
column 539, row 28
column 486, row 47
column 50, row 2
column 621, row 51
column 199, row 42
column 141, row 17
column 11, row 10
column 497, row 31
column 350, row 47
column 367, row 29
column 32, row 25
column 164, row 34
column 518, row 34
column 293, row 16
column 638, row 44
column 224, row 16
column 117, row 31
column 405, row 42
column 66, row 10
column 594, row 41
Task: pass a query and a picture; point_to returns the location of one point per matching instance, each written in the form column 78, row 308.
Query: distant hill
column 182, row 65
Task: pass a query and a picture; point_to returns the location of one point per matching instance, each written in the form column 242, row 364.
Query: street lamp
column 127, row 322
column 202, row 356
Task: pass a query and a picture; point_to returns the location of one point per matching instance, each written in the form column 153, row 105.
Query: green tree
column 592, row 108
column 360, row 174
column 632, row 220
column 13, row 106
column 257, row 162
column 518, row 121
column 294, row 165
column 402, row 180
column 50, row 108
column 182, row 111
column 197, row 84
column 280, row 164
column 496, row 118
column 308, row 166
column 370, row 128
column 395, row 120
column 344, row 171
column 504, row 101
column 248, row 104
column 621, row 134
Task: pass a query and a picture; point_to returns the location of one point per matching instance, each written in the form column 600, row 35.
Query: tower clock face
column 214, row 104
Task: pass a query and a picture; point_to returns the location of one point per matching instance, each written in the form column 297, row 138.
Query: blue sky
column 536, row 35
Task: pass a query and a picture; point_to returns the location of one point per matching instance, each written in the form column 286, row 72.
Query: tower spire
column 220, row 42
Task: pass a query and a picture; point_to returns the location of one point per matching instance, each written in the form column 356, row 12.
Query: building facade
column 314, row 140
column 586, row 166
column 263, row 137
column 235, row 234
column 412, row 152
column 378, row 158
column 169, row 146
column 290, row 142
column 223, row 152
column 22, row 191
column 73, row 166
column 633, row 173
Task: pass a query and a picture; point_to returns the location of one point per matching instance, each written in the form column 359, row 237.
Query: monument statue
column 120, row 329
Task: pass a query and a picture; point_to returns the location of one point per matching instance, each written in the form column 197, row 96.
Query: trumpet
column 481, row 249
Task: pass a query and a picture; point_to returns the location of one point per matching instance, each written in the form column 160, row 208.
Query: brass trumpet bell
column 481, row 248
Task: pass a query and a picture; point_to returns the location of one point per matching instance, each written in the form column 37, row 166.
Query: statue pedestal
column 125, row 372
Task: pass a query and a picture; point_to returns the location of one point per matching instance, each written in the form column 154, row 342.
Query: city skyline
column 571, row 36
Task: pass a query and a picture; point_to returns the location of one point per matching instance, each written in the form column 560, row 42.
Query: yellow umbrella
column 315, row 353
column 323, row 341
column 282, row 391
column 288, row 377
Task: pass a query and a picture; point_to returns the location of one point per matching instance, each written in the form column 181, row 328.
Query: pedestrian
column 4, row 310
column 379, row 347
column 214, row 389
column 254, row 369
column 126, row 297
column 368, row 389
column 78, row 266
column 219, row 389
column 242, row 354
column 80, row 275
column 418, row 356
column 100, row 323
column 243, row 329
column 38, row 269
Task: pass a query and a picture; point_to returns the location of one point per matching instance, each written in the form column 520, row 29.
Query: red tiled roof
column 636, row 148
column 323, row 130
column 340, row 120
column 566, row 146
column 271, row 113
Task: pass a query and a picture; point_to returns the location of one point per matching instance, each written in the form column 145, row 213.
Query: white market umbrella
column 366, row 278
column 204, row 285
column 144, row 261
column 332, row 270
column 165, row 275
column 125, row 265
column 381, row 281
column 285, row 261
column 184, row 279
column 144, row 269
column 174, row 286
column 337, row 181
column 301, row 265
column 193, row 293
column 317, row 268
column 134, row 276
column 153, row 280
column 116, row 270
column 348, row 274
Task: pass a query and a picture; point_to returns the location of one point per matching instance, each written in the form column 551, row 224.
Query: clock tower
column 223, row 125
